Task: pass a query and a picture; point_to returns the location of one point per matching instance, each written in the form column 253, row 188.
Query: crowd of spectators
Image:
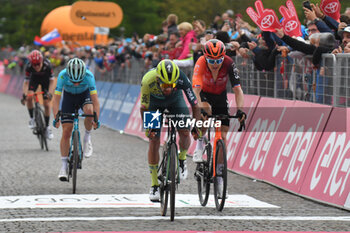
column 182, row 41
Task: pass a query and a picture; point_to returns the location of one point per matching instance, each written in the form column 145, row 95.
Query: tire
column 220, row 156
column 75, row 159
column 164, row 187
column 203, row 176
column 173, row 175
column 40, row 127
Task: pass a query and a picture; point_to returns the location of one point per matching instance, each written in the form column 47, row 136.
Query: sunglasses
column 167, row 85
column 213, row 61
column 36, row 64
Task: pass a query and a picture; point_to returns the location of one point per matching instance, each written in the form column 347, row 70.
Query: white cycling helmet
column 76, row 70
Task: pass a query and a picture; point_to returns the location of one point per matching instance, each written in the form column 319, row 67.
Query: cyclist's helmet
column 168, row 71
column 214, row 49
column 76, row 70
column 35, row 57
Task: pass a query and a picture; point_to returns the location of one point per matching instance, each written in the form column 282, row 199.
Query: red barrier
column 327, row 178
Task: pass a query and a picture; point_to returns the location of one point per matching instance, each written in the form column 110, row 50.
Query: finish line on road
column 166, row 218
column 121, row 201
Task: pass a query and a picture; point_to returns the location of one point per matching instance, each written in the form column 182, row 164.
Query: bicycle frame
column 76, row 116
column 172, row 139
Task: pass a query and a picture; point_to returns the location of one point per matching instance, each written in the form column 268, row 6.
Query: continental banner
column 98, row 14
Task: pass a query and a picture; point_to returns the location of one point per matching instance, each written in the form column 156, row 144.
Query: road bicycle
column 168, row 171
column 213, row 168
column 40, row 127
column 75, row 157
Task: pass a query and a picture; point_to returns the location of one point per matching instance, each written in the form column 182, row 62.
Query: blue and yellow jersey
column 63, row 82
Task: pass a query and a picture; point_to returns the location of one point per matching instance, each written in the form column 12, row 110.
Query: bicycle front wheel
column 203, row 175
column 164, row 187
column 172, row 174
column 220, row 178
column 75, row 158
column 40, row 127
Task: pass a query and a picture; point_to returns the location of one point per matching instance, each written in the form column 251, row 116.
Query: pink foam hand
column 331, row 8
column 266, row 19
column 291, row 23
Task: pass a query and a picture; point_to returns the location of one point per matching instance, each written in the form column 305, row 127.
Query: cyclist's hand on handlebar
column 23, row 100
column 242, row 116
column 47, row 96
column 150, row 133
column 196, row 133
column 97, row 124
column 55, row 123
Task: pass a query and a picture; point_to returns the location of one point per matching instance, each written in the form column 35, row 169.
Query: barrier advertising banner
column 4, row 81
column 103, row 92
column 134, row 125
column 327, row 178
column 261, row 132
column 292, row 149
column 113, row 102
column 121, row 117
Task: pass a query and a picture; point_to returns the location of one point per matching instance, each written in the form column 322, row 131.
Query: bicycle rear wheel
column 75, row 158
column 172, row 174
column 220, row 179
column 203, row 175
column 163, row 186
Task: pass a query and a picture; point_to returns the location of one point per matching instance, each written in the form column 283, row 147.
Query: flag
column 48, row 39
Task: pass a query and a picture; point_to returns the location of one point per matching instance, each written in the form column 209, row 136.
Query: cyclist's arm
column 52, row 80
column 55, row 104
column 57, row 95
column 96, row 104
column 145, row 97
column 26, row 82
column 236, row 86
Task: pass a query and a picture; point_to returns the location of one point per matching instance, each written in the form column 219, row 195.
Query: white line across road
column 166, row 218
column 121, row 201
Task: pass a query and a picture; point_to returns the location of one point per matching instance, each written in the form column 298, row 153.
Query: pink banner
column 328, row 175
column 255, row 148
column 4, row 80
column 134, row 125
column 292, row 149
column 235, row 138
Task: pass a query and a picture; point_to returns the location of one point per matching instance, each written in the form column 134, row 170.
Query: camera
column 307, row 5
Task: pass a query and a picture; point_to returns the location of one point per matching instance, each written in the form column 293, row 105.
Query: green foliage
column 20, row 20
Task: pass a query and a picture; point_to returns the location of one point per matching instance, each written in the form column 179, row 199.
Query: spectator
column 172, row 24
column 187, row 36
column 215, row 24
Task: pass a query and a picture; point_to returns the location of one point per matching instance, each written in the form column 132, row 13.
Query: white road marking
column 121, row 201
column 152, row 218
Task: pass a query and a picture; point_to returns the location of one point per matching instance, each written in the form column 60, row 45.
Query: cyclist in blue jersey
column 79, row 92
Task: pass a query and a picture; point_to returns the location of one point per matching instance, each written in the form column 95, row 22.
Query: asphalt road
column 119, row 166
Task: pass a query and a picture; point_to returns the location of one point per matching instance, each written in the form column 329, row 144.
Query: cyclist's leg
column 30, row 106
column 47, row 106
column 179, row 108
column 86, row 104
column 153, row 155
column 198, row 153
column 67, row 127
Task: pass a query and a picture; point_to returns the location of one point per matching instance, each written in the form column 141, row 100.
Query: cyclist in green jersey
column 162, row 88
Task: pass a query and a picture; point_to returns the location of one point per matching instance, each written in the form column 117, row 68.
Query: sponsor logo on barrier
column 336, row 148
column 260, row 139
column 302, row 142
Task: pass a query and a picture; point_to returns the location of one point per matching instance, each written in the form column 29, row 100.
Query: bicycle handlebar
column 60, row 113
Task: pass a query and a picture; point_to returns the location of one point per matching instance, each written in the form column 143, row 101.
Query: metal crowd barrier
column 293, row 77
